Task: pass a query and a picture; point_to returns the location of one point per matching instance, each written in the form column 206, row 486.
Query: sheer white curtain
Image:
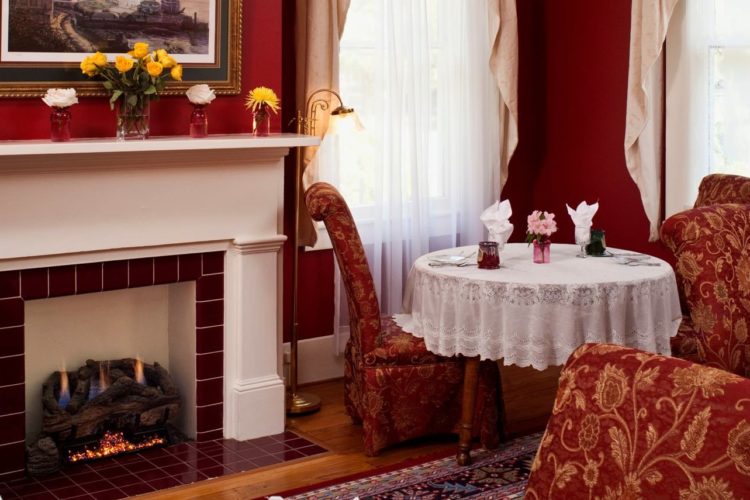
column 417, row 72
column 708, row 83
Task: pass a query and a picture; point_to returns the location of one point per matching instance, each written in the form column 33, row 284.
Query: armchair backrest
column 630, row 424
column 723, row 188
column 711, row 245
column 326, row 204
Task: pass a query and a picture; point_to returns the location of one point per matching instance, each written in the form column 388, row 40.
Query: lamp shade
column 344, row 121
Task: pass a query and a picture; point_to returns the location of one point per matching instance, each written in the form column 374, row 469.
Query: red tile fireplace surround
column 16, row 287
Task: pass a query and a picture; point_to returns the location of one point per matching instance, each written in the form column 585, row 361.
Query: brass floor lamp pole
column 301, row 402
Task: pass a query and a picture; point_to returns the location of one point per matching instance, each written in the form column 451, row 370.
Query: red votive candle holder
column 488, row 256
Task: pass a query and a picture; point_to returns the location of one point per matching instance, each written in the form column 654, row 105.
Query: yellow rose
column 88, row 67
column 176, row 72
column 161, row 55
column 99, row 59
column 124, row 64
column 167, row 61
column 154, row 68
column 140, row 50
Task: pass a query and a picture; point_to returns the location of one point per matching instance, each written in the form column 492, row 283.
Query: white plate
column 448, row 259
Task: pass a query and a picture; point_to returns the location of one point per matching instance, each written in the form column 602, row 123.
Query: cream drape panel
column 320, row 24
column 504, row 66
column 649, row 20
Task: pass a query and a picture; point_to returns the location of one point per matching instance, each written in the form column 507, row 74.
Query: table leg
column 468, row 405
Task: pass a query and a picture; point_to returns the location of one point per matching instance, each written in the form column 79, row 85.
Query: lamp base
column 301, row 403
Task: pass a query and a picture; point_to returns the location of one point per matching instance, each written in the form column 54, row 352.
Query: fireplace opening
column 103, row 409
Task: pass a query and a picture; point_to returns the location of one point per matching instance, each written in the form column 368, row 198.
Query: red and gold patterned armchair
column 628, row 424
column 723, row 188
column 394, row 386
column 711, row 245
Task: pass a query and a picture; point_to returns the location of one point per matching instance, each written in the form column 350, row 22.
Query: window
column 708, row 84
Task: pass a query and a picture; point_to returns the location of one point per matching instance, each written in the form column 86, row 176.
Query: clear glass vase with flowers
column 132, row 81
column 261, row 101
column 541, row 225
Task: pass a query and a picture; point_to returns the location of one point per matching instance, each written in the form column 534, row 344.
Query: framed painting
column 42, row 42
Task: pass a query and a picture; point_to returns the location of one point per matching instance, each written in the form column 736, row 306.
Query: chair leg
column 468, row 404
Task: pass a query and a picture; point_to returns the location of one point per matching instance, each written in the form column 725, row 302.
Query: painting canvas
column 49, row 38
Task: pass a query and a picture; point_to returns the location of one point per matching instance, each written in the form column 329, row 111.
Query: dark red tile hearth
column 11, row 312
column 115, row 275
column 141, row 272
column 62, row 281
column 209, row 365
column 34, row 284
column 213, row 435
column 89, row 278
column 158, row 469
column 210, row 287
column 165, row 270
column 13, row 398
column 213, row 262
column 210, row 417
column 10, row 284
column 11, row 342
column 12, row 458
column 190, row 267
column 207, row 313
column 13, row 372
column 209, row 339
column 209, row 392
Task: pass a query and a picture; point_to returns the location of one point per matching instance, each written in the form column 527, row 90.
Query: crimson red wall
column 261, row 65
column 573, row 77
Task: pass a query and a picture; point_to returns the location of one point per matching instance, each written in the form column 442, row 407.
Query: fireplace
column 98, row 215
column 104, row 409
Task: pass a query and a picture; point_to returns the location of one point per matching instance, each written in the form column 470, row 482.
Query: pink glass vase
column 198, row 121
column 261, row 122
column 59, row 122
column 541, row 251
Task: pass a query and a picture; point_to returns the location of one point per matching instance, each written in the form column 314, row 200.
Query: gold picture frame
column 32, row 78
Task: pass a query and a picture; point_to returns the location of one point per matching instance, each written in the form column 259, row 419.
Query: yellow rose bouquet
column 133, row 80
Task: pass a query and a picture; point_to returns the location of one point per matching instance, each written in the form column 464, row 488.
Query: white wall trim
column 316, row 359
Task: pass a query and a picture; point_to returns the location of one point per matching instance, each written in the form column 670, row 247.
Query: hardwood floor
column 331, row 428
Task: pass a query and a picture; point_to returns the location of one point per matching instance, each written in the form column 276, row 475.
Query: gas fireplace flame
column 139, row 377
column 103, row 378
column 64, row 398
column 113, row 443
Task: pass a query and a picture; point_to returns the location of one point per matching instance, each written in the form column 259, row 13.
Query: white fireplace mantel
column 96, row 200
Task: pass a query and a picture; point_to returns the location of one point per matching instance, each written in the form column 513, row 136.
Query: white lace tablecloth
column 537, row 314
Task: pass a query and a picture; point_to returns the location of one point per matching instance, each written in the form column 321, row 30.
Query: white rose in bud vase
column 200, row 94
column 60, row 98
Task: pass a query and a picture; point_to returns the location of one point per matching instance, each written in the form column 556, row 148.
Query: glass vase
column 198, row 121
column 133, row 119
column 541, row 251
column 261, row 122
column 59, row 122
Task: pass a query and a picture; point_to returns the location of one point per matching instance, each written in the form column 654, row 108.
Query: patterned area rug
column 495, row 474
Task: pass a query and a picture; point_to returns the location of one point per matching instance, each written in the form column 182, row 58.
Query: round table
column 536, row 314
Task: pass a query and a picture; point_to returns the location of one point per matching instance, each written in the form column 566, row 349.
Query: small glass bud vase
column 541, row 251
column 198, row 121
column 59, row 121
column 261, row 122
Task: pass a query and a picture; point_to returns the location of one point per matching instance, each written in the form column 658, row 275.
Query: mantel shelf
column 171, row 143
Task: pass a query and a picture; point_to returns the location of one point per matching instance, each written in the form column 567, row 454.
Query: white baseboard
column 316, row 359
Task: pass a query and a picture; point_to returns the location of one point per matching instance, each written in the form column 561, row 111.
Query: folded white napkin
column 495, row 218
column 583, row 214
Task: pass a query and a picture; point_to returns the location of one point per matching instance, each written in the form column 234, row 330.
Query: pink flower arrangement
column 541, row 225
